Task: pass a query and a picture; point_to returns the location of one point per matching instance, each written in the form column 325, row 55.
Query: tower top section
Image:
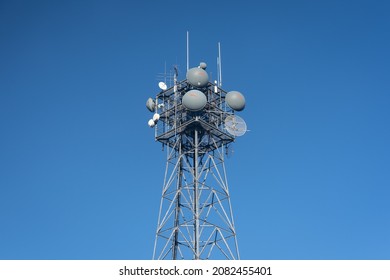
column 196, row 104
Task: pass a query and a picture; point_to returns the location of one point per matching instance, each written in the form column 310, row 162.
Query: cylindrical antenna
column 220, row 64
column 217, row 81
column 188, row 51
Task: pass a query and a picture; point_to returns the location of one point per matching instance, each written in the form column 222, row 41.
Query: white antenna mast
column 219, row 65
column 188, row 51
column 217, row 81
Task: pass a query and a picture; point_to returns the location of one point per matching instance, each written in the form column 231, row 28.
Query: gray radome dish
column 203, row 65
column 194, row 100
column 235, row 100
column 150, row 104
column 197, row 77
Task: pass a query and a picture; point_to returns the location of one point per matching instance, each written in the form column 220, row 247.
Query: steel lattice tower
column 195, row 217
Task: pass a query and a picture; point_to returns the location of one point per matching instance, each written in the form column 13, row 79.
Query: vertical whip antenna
column 188, row 51
column 219, row 65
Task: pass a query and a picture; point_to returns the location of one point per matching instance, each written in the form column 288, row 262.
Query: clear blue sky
column 81, row 174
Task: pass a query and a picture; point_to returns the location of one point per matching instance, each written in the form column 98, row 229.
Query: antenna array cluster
column 196, row 102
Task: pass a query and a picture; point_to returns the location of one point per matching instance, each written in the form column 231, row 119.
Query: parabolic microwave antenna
column 235, row 125
column 162, row 86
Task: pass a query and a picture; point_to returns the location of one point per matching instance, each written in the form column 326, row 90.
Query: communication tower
column 196, row 121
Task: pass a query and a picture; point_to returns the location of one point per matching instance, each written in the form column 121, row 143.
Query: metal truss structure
column 195, row 217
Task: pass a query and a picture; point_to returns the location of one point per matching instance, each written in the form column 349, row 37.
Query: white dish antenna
column 162, row 85
column 235, row 125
